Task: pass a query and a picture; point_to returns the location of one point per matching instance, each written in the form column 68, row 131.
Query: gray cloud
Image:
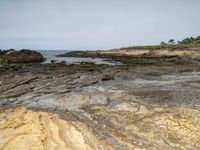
column 95, row 24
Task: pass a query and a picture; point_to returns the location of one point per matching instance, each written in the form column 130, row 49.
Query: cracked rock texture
column 100, row 107
column 25, row 129
column 124, row 126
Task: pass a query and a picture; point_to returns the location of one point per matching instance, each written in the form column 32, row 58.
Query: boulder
column 22, row 56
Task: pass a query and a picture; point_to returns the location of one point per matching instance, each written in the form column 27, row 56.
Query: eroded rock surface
column 124, row 125
column 100, row 107
column 25, row 129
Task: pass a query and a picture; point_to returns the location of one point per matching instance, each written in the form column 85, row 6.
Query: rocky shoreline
column 135, row 56
column 143, row 104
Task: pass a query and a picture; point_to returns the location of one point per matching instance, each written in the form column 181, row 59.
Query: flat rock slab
column 146, row 107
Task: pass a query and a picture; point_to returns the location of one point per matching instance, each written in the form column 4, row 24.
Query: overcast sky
column 95, row 24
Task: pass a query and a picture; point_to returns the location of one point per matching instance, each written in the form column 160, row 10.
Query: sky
column 95, row 24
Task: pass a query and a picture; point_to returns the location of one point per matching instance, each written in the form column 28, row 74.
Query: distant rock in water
column 79, row 54
column 22, row 56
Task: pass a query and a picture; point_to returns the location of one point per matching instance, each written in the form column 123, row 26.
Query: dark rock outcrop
column 80, row 54
column 22, row 56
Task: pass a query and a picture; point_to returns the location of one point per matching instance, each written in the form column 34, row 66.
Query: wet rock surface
column 155, row 106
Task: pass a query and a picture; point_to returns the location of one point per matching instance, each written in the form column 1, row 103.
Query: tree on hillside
column 198, row 38
column 163, row 43
column 171, row 41
column 190, row 40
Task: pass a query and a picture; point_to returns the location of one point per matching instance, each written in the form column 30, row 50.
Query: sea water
column 50, row 55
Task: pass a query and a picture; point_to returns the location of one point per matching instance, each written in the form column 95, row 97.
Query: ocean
column 50, row 55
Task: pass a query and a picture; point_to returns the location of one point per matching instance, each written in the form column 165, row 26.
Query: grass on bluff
column 186, row 43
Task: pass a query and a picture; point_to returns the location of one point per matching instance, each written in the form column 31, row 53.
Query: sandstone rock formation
column 124, row 126
column 22, row 129
column 124, row 53
column 88, row 106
